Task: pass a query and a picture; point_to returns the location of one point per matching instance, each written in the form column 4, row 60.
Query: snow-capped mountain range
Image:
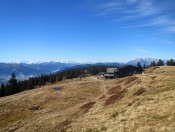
column 45, row 62
column 24, row 69
column 146, row 61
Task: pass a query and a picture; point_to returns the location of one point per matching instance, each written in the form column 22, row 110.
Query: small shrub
column 103, row 128
column 130, row 80
column 132, row 102
column 92, row 130
column 132, row 84
column 119, row 81
column 114, row 90
column 102, row 97
column 139, row 91
column 87, row 107
column 63, row 125
column 153, row 77
column 114, row 115
column 112, row 99
column 123, row 120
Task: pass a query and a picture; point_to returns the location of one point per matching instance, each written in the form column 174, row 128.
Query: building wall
column 112, row 70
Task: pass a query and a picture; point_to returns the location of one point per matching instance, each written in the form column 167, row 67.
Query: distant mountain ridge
column 24, row 69
column 45, row 62
column 146, row 61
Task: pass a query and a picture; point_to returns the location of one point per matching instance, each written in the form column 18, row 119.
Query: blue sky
column 86, row 30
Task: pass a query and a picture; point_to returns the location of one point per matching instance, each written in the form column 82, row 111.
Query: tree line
column 160, row 62
column 13, row 86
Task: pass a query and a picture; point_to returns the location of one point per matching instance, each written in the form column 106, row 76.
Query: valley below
column 142, row 103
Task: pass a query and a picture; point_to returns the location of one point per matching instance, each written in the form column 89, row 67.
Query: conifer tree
column 160, row 63
column 139, row 65
column 172, row 63
column 168, row 63
column 12, row 86
column 144, row 66
column 153, row 64
column 2, row 90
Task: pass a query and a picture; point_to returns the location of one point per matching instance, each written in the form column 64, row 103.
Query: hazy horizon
column 86, row 30
column 84, row 62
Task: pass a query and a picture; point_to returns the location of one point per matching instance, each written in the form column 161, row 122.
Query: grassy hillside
column 142, row 103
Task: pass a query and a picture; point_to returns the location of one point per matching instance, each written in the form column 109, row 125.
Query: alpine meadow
column 87, row 66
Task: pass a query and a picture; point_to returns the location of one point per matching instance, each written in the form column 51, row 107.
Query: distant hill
column 25, row 70
column 112, row 64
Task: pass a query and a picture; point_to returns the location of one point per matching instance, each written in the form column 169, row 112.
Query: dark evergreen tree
column 2, row 90
column 153, row 64
column 139, row 65
column 13, row 83
column 30, row 84
column 23, row 85
column 168, row 63
column 12, row 86
column 172, row 62
column 8, row 90
column 52, row 78
column 144, row 66
column 160, row 63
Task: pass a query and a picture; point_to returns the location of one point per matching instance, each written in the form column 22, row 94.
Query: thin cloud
column 170, row 42
column 141, row 8
column 170, row 29
column 147, row 8
column 165, row 22
column 155, row 12
column 110, row 8
column 138, row 26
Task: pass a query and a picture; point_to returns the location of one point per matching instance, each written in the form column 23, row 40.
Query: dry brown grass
column 61, row 127
column 13, row 118
column 141, row 103
column 129, row 80
column 120, row 81
column 151, row 69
